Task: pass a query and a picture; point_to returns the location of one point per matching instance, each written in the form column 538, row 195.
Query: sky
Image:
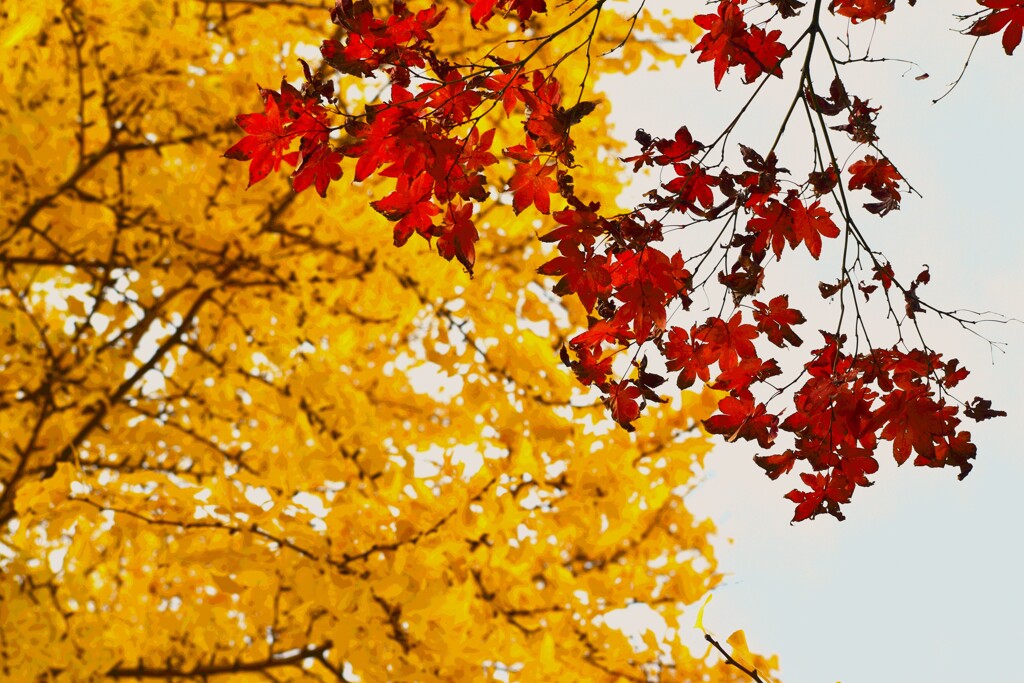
column 923, row 581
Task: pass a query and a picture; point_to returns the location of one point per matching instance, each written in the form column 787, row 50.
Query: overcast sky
column 923, row 582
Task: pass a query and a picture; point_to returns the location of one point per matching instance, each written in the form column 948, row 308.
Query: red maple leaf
column 584, row 273
column 591, row 368
column 581, row 225
column 658, row 271
column 680, row 148
column 727, row 342
column 691, row 187
column 764, row 54
column 549, row 131
column 459, row 235
column 457, row 165
column 508, row 87
column 907, row 369
column 761, row 182
column 642, row 309
column 826, row 491
column 395, row 42
column 475, row 153
column 645, row 282
column 524, row 9
column 599, row 332
column 808, row 503
column 354, row 58
column 532, row 184
column 410, row 204
column 838, row 99
column 856, row 468
column 724, row 38
column 860, row 125
column 775, row 320
column 884, row 274
column 484, row 10
column 1008, row 14
column 981, row 409
column 913, row 420
column 318, row 167
column 879, row 177
column 739, row 418
column 685, row 355
column 729, row 43
column 746, row 372
column 953, row 451
column 622, row 402
column 776, row 465
column 452, row 102
column 776, row 223
column 952, row 374
column 266, row 141
column 823, row 182
column 376, row 140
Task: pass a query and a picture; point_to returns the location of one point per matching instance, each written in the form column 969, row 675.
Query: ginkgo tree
column 431, row 133
column 244, row 439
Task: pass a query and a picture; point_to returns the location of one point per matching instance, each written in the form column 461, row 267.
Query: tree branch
column 316, row 652
column 752, row 673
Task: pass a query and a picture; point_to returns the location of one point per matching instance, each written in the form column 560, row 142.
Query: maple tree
column 431, row 131
column 221, row 456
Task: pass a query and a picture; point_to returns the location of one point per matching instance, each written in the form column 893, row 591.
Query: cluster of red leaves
column 847, row 405
column 850, row 402
column 288, row 116
column 429, row 137
column 729, row 42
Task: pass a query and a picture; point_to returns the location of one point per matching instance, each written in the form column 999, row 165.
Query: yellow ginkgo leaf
column 740, row 651
column 700, row 613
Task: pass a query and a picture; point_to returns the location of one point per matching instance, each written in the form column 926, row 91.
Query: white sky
column 922, row 582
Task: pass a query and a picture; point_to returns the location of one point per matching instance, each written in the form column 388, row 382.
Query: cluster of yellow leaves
column 243, row 438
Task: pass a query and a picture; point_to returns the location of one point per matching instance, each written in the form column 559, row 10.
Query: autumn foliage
column 243, row 438
column 433, row 134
